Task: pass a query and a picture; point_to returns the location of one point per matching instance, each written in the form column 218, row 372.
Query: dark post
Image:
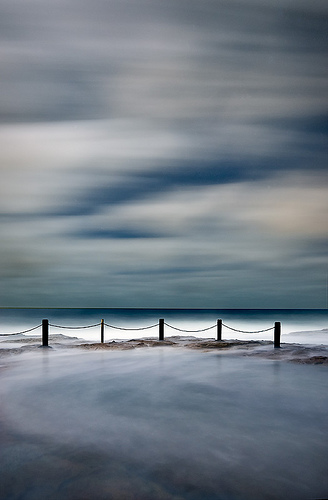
column 219, row 329
column 45, row 332
column 277, row 331
column 102, row 330
column 161, row 329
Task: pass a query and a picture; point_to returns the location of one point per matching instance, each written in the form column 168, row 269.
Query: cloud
column 286, row 206
column 83, row 167
column 174, row 149
column 195, row 241
column 172, row 61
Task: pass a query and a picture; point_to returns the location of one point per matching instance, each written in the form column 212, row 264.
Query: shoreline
column 291, row 352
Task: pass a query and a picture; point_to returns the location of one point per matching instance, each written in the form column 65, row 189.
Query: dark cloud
column 149, row 184
column 120, row 233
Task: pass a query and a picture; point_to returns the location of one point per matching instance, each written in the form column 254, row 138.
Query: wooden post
column 45, row 332
column 102, row 330
column 219, row 329
column 161, row 329
column 277, row 332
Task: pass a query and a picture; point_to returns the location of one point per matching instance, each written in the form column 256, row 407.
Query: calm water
column 295, row 320
column 161, row 424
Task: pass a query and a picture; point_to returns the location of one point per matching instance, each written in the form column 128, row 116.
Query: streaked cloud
column 163, row 154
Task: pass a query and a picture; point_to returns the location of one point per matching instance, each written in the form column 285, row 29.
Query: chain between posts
column 243, row 331
column 134, row 329
column 45, row 324
column 18, row 333
column 74, row 327
column 190, row 331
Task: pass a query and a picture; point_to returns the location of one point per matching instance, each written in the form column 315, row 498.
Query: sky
column 164, row 153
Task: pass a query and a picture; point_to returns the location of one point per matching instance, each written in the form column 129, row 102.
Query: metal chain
column 121, row 328
column 74, row 327
column 18, row 333
column 190, row 331
column 136, row 329
column 243, row 331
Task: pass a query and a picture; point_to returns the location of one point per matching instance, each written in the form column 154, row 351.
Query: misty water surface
column 162, row 423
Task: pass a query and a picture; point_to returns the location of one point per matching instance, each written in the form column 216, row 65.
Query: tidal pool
column 161, row 423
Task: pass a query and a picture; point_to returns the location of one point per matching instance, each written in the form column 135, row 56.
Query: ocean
column 162, row 423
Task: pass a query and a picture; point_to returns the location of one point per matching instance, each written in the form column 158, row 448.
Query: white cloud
column 46, row 165
column 285, row 206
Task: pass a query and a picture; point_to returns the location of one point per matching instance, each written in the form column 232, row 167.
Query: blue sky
column 163, row 154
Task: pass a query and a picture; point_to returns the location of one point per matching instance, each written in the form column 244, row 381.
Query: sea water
column 161, row 423
column 124, row 323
